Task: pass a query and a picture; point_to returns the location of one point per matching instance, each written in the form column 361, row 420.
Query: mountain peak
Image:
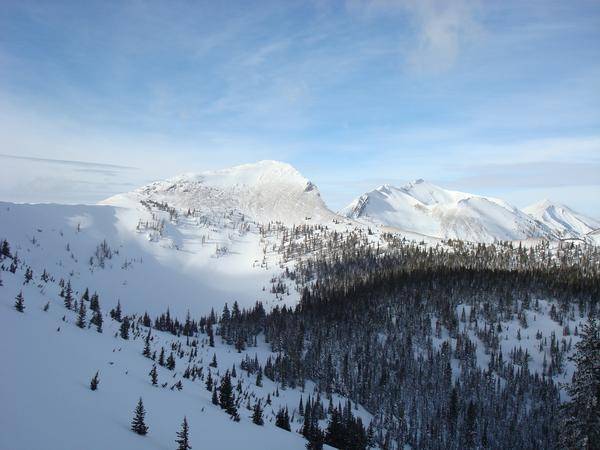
column 561, row 219
column 541, row 205
column 261, row 172
column 264, row 191
column 425, row 208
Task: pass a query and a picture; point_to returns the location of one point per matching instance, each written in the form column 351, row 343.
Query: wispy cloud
column 440, row 28
column 66, row 162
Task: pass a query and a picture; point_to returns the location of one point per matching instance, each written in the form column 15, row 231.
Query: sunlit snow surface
column 424, row 208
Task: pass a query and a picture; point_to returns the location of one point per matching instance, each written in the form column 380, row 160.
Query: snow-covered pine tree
column 81, row 315
column 94, row 302
column 137, row 424
column 115, row 313
column 97, row 319
column 209, row 382
column 147, row 353
column 171, row 362
column 5, row 249
column 226, row 397
column 20, row 302
column 183, row 438
column 28, row 275
column 68, row 295
column 211, row 335
column 124, row 329
column 282, row 419
column 257, row 415
column 153, row 375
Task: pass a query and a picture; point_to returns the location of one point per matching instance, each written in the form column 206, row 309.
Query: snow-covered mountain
column 190, row 235
column 190, row 244
column 424, row 208
column 263, row 192
column 562, row 220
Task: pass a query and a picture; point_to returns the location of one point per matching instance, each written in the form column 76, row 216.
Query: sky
column 492, row 97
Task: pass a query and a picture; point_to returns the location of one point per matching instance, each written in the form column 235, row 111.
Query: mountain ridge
column 420, row 206
column 274, row 191
column 266, row 191
column 566, row 222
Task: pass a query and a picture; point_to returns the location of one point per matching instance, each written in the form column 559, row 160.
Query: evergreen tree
column 147, row 353
column 68, row 296
column 95, row 382
column 161, row 358
column 581, row 414
column 215, row 399
column 282, row 419
column 240, row 344
column 124, row 328
column 209, row 382
column 211, row 335
column 94, row 302
column 137, row 424
column 336, row 433
column 115, row 313
column 226, row 397
column 183, row 439
column 81, row 315
column 97, row 319
column 153, row 375
column 171, row 362
column 371, row 435
column 257, row 415
column 20, row 302
column 5, row 249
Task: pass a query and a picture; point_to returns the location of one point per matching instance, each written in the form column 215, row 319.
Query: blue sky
column 498, row 98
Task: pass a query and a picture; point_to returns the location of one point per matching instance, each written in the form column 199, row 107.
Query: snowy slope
column 262, row 192
column 185, row 268
column 422, row 207
column 176, row 243
column 51, row 362
column 565, row 222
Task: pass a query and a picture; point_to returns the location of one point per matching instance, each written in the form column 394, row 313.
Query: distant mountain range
column 272, row 191
column 425, row 208
column 562, row 220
